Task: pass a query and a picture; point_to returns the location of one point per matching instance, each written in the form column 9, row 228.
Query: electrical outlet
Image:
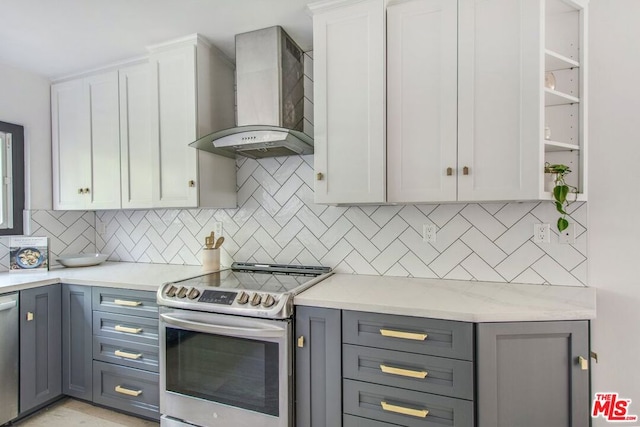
column 429, row 233
column 217, row 228
column 541, row 233
column 568, row 235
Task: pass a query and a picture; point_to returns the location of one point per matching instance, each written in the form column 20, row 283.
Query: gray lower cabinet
column 402, row 407
column 318, row 367
column 406, row 371
column 127, row 389
column 77, row 373
column 414, row 372
column 533, row 374
column 40, row 353
column 126, row 351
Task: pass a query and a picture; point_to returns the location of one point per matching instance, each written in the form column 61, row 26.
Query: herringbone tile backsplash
column 69, row 232
column 277, row 221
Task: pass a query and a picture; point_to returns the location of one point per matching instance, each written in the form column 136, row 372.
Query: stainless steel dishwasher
column 9, row 344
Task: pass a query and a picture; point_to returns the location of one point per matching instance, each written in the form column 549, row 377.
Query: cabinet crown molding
column 190, row 40
column 113, row 66
column 325, row 5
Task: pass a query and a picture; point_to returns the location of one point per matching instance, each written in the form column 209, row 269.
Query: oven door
column 222, row 370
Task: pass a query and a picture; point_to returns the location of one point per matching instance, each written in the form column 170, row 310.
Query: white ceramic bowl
column 82, row 260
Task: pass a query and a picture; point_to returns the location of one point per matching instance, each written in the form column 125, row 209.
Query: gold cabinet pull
column 420, row 413
column 594, row 355
column 126, row 355
column 192, row 183
column 403, row 372
column 301, row 341
column 121, row 328
column 465, row 170
column 80, row 191
column 319, row 176
column 127, row 303
column 584, row 363
column 449, row 171
column 30, row 316
column 87, row 191
column 128, row 392
column 403, row 335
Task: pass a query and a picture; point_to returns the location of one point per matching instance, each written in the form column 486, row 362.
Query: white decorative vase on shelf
column 549, row 182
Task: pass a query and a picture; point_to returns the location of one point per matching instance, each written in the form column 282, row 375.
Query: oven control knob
column 171, row 291
column 243, row 298
column 256, row 300
column 193, row 293
column 268, row 301
column 182, row 292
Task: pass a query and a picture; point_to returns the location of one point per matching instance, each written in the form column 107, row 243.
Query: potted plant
column 561, row 191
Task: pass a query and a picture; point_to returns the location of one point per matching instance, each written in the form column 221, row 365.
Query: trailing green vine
column 561, row 192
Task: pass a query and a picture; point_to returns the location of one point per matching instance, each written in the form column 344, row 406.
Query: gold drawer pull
column 122, row 390
column 127, row 303
column 403, row 372
column 126, row 355
column 420, row 413
column 121, row 328
column 584, row 363
column 301, row 341
column 404, row 335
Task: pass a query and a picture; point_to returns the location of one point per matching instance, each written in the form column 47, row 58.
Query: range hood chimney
column 269, row 98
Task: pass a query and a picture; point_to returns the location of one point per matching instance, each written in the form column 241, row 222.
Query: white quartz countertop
column 451, row 299
column 128, row 275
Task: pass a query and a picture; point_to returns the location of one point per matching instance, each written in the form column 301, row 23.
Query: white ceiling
column 55, row 38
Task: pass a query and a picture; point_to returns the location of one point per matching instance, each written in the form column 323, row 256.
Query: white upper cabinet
column 466, row 102
column 499, row 107
column 135, row 137
column 421, row 100
column 349, row 101
column 121, row 138
column 86, row 144
column 71, row 156
column 187, row 105
column 105, row 141
column 173, row 73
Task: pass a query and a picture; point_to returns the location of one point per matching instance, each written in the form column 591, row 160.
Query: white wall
column 614, row 176
column 24, row 100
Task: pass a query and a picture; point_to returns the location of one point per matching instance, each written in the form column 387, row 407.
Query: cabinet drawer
column 443, row 338
column 129, row 328
column 127, row 353
column 429, row 374
column 423, row 409
column 351, row 421
column 127, row 389
column 125, row 301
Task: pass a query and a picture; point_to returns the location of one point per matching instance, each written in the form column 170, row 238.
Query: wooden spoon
column 219, row 242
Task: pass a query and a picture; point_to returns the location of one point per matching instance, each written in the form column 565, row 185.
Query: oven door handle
column 214, row 328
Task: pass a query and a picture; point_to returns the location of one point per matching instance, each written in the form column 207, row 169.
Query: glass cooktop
column 257, row 277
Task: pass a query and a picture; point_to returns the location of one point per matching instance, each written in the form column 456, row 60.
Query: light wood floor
column 70, row 412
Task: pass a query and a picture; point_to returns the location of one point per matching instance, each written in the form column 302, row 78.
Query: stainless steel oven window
column 240, row 372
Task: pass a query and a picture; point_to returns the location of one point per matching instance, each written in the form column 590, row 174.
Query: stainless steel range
column 226, row 346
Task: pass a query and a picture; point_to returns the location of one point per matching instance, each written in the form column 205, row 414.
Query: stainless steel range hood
column 269, row 98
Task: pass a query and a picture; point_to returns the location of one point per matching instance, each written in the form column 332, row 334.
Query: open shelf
column 555, row 61
column 553, row 97
column 551, row 146
column 581, row 197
